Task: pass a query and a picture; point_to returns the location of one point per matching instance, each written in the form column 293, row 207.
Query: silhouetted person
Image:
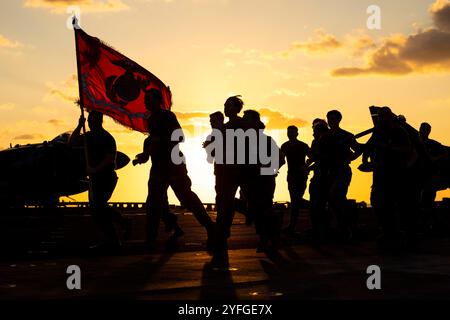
column 101, row 164
column 168, row 217
column 216, row 120
column 295, row 152
column 165, row 172
column 435, row 154
column 232, row 179
column 341, row 149
column 318, row 186
column 393, row 157
column 260, row 188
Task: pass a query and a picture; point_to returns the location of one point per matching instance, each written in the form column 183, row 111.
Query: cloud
column 60, row 6
column 425, row 51
column 359, row 43
column 7, row 106
column 7, row 43
column 66, row 91
column 384, row 60
column 183, row 116
column 56, row 122
column 441, row 14
column 278, row 120
column 29, row 131
column 321, row 43
column 28, row 137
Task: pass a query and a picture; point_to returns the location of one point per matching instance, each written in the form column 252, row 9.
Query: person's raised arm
column 76, row 134
column 357, row 149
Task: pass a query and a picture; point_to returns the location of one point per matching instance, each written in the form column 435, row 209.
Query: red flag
column 113, row 84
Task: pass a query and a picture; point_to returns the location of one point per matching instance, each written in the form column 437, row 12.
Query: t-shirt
column 100, row 144
column 337, row 149
column 235, row 124
column 161, row 125
column 385, row 158
column 295, row 152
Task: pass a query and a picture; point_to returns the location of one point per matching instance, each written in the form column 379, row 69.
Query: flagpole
column 81, row 102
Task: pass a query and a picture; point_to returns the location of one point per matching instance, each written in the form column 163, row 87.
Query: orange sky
column 294, row 59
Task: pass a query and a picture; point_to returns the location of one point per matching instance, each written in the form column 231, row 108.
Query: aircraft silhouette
column 41, row 173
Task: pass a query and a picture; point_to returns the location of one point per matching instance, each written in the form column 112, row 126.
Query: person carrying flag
column 165, row 172
column 101, row 164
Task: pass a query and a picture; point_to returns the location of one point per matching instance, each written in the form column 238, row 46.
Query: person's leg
column 295, row 204
column 242, row 204
column 340, row 182
column 296, row 187
column 100, row 211
column 318, row 197
column 116, row 216
column 167, row 216
column 427, row 203
column 180, row 183
column 266, row 223
column 218, row 172
column 170, row 219
column 225, row 215
column 409, row 199
column 273, row 222
column 254, row 191
column 156, row 201
column 384, row 202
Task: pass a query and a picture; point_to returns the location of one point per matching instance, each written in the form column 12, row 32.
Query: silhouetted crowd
column 407, row 166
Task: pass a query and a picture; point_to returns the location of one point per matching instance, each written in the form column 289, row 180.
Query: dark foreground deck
column 38, row 249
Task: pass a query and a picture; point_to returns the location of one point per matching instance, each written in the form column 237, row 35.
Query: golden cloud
column 60, row 6
column 440, row 11
column 28, row 137
column 321, row 43
column 278, row 120
column 8, row 43
column 425, row 51
column 359, row 43
column 56, row 122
